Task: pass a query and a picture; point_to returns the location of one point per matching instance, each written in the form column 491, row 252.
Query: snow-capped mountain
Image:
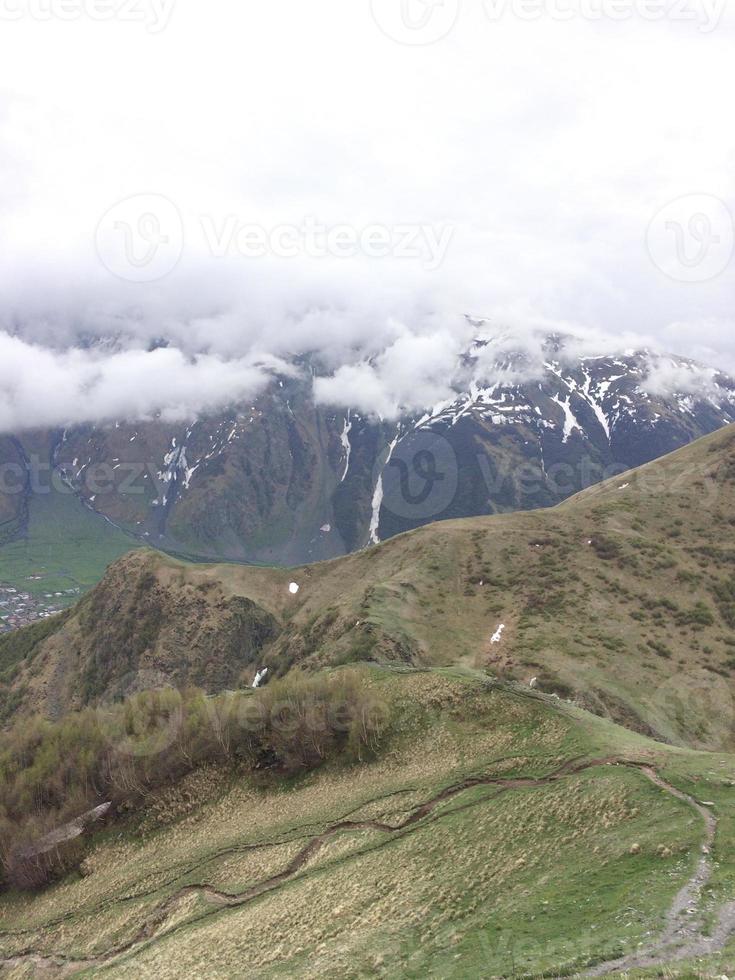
column 286, row 480
column 537, row 434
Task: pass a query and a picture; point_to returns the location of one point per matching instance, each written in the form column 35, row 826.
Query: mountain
column 509, row 752
column 521, row 444
column 284, row 480
column 617, row 599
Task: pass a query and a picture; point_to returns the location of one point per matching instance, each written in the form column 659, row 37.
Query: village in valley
column 19, row 607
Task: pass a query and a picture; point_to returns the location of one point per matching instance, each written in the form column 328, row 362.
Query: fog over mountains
column 105, row 381
column 316, row 464
column 168, row 266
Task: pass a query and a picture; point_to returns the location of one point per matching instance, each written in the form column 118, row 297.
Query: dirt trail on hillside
column 153, row 930
column 682, row 937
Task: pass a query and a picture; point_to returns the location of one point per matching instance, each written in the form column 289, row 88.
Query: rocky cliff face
column 284, row 480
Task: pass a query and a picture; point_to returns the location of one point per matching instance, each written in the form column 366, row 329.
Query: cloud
column 667, row 377
column 91, row 386
column 299, row 111
column 412, row 374
column 706, row 340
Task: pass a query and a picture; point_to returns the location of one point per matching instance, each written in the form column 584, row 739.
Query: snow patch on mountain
column 615, row 388
column 570, row 422
column 377, row 503
column 346, row 445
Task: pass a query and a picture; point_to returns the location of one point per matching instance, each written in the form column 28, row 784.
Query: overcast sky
column 522, row 169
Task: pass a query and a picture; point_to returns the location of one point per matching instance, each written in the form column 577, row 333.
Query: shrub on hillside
column 51, row 773
column 605, row 547
column 724, row 593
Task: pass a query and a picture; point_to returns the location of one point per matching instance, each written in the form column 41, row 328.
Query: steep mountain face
column 519, row 444
column 621, row 599
column 284, row 480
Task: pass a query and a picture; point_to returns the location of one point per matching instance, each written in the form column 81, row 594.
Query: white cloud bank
column 546, row 147
column 667, row 377
column 40, row 388
column 412, row 374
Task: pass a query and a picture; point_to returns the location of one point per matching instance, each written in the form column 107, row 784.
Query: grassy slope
column 630, row 625
column 524, row 880
column 628, row 622
column 528, row 880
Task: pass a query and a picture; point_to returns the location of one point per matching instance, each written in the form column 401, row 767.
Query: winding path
column 681, row 938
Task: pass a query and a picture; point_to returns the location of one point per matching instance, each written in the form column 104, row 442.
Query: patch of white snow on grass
column 498, row 634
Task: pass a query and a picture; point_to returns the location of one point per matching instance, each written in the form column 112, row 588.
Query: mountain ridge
column 601, row 599
column 284, row 480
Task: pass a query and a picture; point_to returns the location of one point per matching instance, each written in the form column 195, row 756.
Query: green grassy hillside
column 497, row 833
column 622, row 600
column 553, row 798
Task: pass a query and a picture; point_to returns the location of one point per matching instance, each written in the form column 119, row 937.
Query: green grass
column 711, row 778
column 635, row 627
column 67, row 545
column 493, row 881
